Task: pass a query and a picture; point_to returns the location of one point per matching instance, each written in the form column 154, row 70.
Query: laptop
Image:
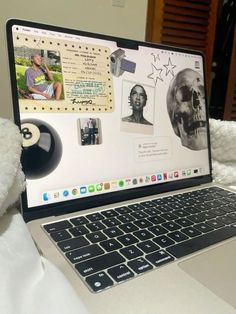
column 116, row 153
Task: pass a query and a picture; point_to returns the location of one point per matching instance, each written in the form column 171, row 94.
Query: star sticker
column 156, row 74
column 169, row 68
column 155, row 56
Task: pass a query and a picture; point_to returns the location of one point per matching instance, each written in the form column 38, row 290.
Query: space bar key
column 201, row 242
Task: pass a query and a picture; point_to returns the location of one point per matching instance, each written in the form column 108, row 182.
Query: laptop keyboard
column 115, row 245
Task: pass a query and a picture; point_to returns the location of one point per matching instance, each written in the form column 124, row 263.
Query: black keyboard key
column 208, row 214
column 123, row 210
column 171, row 226
column 143, row 235
column 176, row 205
column 78, row 231
column 56, row 226
column 192, row 210
column 110, row 245
column 95, row 226
column 60, row 235
column 203, row 227
column 127, row 239
column 139, row 215
column 72, row 244
column 111, row 222
column 109, row 213
column 120, row 273
column 136, row 206
column 159, row 201
column 84, row 253
column 99, row 282
column 181, row 213
column 169, row 216
column 131, row 252
column 140, row 265
column 163, row 241
column 203, row 206
column 148, row 246
column 125, row 218
column 156, row 220
column 99, row 263
column 147, row 204
column 184, row 222
column 95, row 217
column 196, row 218
column 165, row 208
column 158, row 230
column 201, row 242
column 191, row 232
column 177, row 236
column 113, row 232
column 129, row 227
column 215, row 224
column 232, row 216
column 152, row 211
column 143, row 223
column 225, row 220
column 217, row 212
column 228, row 208
column 96, row 237
column 159, row 258
column 78, row 221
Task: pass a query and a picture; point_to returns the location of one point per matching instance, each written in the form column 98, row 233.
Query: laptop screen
column 103, row 115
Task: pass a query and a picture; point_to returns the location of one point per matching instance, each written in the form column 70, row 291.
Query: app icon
column 107, row 186
column 184, row 173
column 56, row 194
column 195, row 171
column 141, row 180
column 170, row 175
column 147, row 179
column 165, row 176
column 121, row 183
column 159, row 177
column 83, row 189
column 176, row 174
column 134, row 181
column 74, row 191
column 114, row 184
column 128, row 181
column 189, row 172
column 46, row 197
column 91, row 188
column 99, row 187
column 65, row 193
column 153, row 178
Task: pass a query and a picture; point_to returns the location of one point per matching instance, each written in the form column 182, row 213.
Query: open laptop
column 116, row 153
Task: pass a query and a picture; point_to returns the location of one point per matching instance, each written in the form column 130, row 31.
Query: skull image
column 186, row 108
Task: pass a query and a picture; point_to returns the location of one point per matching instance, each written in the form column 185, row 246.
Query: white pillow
column 11, row 176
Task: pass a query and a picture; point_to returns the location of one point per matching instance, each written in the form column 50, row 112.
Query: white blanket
column 29, row 284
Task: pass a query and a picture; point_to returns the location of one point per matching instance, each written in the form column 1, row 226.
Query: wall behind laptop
column 91, row 15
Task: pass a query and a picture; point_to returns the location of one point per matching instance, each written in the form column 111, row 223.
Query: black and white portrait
column 137, row 106
column 186, row 108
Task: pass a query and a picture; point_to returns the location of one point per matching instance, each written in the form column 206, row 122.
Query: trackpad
column 216, row 270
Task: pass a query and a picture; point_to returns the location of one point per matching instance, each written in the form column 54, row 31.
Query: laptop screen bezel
column 112, row 197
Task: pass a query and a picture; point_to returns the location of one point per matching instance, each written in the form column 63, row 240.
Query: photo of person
column 38, row 74
column 137, row 107
column 89, row 131
column 187, row 110
column 137, row 100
